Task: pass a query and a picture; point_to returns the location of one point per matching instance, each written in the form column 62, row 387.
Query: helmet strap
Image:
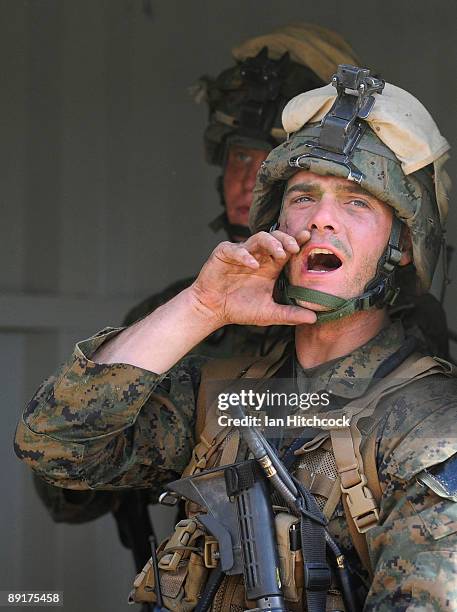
column 379, row 292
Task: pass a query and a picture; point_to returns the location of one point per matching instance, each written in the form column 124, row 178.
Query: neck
column 317, row 344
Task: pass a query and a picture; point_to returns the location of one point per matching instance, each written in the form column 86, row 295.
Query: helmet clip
column 342, row 127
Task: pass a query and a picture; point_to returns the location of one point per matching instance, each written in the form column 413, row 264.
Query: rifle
column 240, row 517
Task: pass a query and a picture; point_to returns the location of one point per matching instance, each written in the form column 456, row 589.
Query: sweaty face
column 349, row 232
column 240, row 174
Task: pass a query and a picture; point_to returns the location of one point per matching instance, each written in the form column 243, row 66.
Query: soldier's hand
column 236, row 283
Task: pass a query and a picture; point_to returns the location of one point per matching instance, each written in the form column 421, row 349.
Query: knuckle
column 223, row 246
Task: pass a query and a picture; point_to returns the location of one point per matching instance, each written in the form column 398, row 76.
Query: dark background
column 105, row 198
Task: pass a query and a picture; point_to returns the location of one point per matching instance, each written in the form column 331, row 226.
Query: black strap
column 134, row 525
column 317, row 575
column 135, row 528
column 396, row 359
column 214, row 582
column 313, row 535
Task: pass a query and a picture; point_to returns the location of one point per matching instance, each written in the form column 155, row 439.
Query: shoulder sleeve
column 99, row 426
column 414, row 547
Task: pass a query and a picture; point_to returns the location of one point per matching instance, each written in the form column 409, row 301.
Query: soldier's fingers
column 302, row 237
column 231, row 253
column 264, row 243
column 292, row 315
column 288, row 242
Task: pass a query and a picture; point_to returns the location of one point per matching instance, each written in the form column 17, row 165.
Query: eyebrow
column 315, row 187
column 301, row 187
column 353, row 188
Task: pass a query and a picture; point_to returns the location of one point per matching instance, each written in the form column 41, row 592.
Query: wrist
column 200, row 313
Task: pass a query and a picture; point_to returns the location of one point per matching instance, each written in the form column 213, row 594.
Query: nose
column 323, row 216
column 250, row 176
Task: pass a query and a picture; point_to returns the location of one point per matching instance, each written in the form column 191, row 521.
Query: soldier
column 357, row 192
column 245, row 103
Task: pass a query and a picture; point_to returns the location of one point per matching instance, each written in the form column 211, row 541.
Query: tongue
column 323, row 263
column 320, row 268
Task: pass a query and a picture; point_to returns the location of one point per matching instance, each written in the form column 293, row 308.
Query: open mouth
column 322, row 260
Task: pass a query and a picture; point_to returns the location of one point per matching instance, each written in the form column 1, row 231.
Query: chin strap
column 233, row 231
column 339, row 307
column 379, row 292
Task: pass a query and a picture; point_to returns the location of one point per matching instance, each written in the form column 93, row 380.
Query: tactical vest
column 338, row 464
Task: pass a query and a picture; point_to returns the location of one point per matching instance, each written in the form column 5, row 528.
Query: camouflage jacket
column 110, row 427
column 422, row 316
column 69, row 506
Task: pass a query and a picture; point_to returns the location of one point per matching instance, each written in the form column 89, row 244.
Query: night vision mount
column 262, row 78
column 343, row 126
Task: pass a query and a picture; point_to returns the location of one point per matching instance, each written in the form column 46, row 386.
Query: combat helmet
column 378, row 135
column 245, row 102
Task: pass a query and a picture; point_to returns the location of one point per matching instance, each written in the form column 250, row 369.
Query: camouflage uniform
column 418, row 314
column 98, row 426
column 226, row 97
column 95, row 426
column 67, row 506
column 229, row 97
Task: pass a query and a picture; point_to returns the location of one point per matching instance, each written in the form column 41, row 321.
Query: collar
column 233, row 231
column 350, row 376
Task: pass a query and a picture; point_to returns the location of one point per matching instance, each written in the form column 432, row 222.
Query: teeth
column 322, row 264
column 317, row 251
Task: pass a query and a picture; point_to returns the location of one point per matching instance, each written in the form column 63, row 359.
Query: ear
column 406, row 247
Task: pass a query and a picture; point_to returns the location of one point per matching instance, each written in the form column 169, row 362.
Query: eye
column 303, row 199
column 242, row 157
column 359, row 203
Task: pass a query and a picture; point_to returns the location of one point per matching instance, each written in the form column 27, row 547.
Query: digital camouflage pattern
column 69, row 506
column 422, row 316
column 115, row 426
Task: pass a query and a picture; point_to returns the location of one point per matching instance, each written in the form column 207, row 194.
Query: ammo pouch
column 290, row 555
column 187, row 556
column 182, row 568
